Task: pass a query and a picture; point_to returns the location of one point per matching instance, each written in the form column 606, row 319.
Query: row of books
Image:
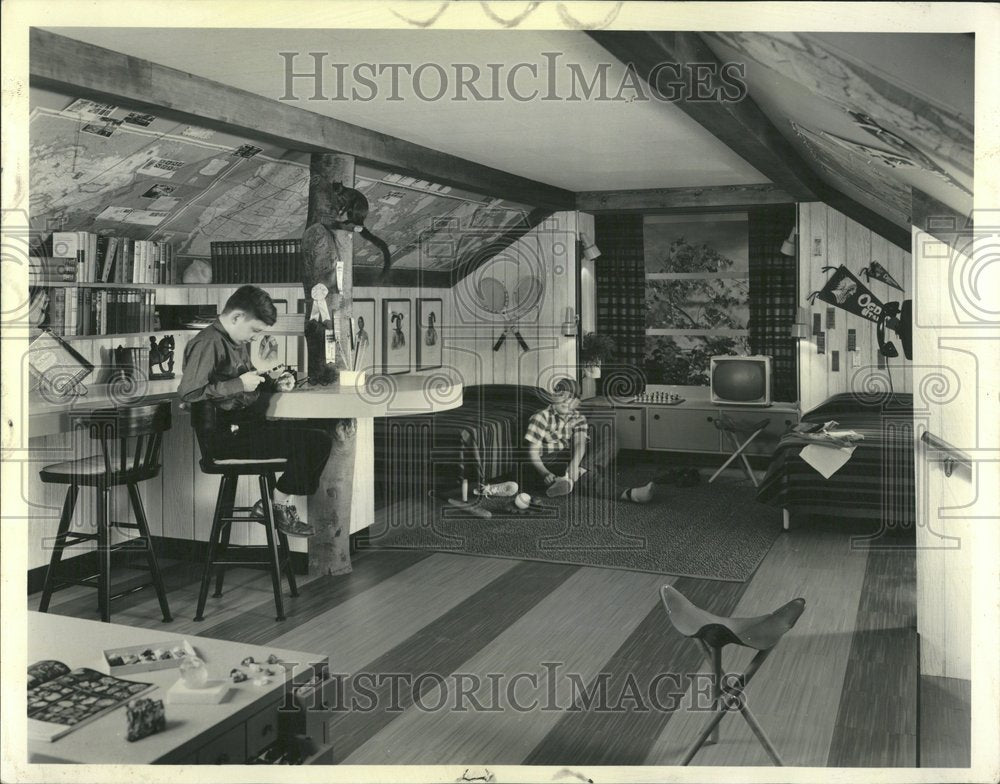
column 85, row 257
column 256, row 261
column 89, row 311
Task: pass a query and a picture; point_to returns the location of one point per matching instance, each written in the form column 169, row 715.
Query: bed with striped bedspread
column 877, row 483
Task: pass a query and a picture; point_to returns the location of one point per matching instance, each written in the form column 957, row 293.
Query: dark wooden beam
column 740, row 125
column 940, row 221
column 896, row 234
column 652, row 199
column 80, row 69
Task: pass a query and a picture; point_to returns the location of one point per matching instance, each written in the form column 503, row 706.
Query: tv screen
column 741, row 380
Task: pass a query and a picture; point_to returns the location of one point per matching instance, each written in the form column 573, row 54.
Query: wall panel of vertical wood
column 845, row 242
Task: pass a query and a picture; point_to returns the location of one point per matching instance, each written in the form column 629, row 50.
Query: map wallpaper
column 105, row 169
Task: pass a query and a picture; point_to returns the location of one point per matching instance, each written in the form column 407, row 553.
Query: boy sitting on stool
column 219, row 372
column 557, row 445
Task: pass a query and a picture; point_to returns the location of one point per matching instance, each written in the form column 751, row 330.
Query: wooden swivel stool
column 734, row 429
column 713, row 633
column 120, row 463
column 277, row 556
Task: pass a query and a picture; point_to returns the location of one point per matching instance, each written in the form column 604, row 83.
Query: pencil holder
column 352, row 378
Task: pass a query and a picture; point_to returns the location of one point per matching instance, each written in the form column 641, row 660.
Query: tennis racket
column 527, row 295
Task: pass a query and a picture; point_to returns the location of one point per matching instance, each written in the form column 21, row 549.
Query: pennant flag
column 877, row 271
column 847, row 292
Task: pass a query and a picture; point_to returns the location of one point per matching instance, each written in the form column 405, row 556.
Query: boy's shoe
column 561, row 485
column 286, row 518
column 499, row 490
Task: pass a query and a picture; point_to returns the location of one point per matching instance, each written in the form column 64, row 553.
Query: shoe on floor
column 561, row 485
column 499, row 490
column 286, row 518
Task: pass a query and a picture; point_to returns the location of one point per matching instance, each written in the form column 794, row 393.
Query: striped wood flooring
column 841, row 688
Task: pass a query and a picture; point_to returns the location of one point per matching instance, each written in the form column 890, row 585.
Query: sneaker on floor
column 286, row 518
column 499, row 490
column 561, row 485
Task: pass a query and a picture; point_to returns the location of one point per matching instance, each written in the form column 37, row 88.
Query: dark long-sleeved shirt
column 213, row 363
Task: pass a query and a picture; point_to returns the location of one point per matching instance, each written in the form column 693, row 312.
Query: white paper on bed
column 826, row 459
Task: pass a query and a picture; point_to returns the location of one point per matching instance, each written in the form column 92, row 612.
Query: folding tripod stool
column 713, row 633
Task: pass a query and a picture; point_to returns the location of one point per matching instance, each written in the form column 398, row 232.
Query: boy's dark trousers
column 248, row 435
column 597, row 481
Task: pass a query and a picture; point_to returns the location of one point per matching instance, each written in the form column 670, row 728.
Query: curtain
column 621, row 286
column 773, row 294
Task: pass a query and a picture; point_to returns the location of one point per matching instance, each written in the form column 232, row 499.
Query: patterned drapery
column 773, row 293
column 621, row 285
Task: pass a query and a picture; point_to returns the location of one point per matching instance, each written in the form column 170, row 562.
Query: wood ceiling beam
column 740, row 124
column 707, row 198
column 81, row 69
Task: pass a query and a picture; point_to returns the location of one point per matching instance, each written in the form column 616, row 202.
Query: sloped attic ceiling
column 873, row 114
column 137, row 175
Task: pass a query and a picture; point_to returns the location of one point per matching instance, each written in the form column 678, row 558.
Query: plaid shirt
column 554, row 432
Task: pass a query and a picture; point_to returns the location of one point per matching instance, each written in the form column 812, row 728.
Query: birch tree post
column 328, row 303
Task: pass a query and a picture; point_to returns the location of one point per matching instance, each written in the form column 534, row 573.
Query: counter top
column 380, row 396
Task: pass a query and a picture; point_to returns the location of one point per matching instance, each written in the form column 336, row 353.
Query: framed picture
column 363, row 334
column 397, row 317
column 56, row 367
column 428, row 337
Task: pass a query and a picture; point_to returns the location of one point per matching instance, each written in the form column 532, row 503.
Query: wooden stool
column 117, row 465
column 276, row 551
column 713, row 633
column 748, row 432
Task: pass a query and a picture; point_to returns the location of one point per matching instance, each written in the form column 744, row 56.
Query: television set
column 740, row 381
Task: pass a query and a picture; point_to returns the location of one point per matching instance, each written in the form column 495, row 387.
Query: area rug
column 715, row 532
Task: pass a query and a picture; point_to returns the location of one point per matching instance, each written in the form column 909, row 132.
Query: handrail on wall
column 946, row 453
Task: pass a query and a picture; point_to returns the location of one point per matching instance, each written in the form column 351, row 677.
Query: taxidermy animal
column 350, row 211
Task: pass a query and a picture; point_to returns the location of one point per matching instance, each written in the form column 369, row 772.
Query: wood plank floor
column 559, row 664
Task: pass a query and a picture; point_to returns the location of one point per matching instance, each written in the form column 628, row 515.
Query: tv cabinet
column 690, row 426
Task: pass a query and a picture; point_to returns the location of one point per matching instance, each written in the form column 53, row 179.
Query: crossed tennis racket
column 495, row 298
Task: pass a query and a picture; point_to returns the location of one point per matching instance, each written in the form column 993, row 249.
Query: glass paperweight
column 194, row 673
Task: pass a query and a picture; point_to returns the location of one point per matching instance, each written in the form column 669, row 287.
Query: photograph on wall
column 697, row 293
column 428, row 338
column 363, row 335
column 397, row 317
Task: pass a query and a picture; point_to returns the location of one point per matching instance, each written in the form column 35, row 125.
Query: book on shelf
column 101, row 258
column 257, row 261
column 60, row 699
column 76, row 311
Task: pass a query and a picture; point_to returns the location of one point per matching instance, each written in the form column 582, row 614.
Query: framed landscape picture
column 365, row 339
column 397, row 333
column 428, row 337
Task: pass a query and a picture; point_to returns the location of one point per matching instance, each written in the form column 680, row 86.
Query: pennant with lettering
column 847, row 292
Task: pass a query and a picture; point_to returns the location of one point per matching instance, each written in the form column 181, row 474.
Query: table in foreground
column 237, row 730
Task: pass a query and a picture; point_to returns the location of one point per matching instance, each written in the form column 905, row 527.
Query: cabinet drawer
column 230, row 748
column 681, row 430
column 629, row 428
column 262, row 730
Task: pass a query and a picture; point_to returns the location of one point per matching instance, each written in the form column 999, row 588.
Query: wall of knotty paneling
column 829, row 238
column 180, row 501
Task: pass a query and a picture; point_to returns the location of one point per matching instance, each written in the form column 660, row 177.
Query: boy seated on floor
column 561, row 461
column 219, row 372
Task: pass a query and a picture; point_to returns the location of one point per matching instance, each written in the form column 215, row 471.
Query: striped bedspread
column 876, row 483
